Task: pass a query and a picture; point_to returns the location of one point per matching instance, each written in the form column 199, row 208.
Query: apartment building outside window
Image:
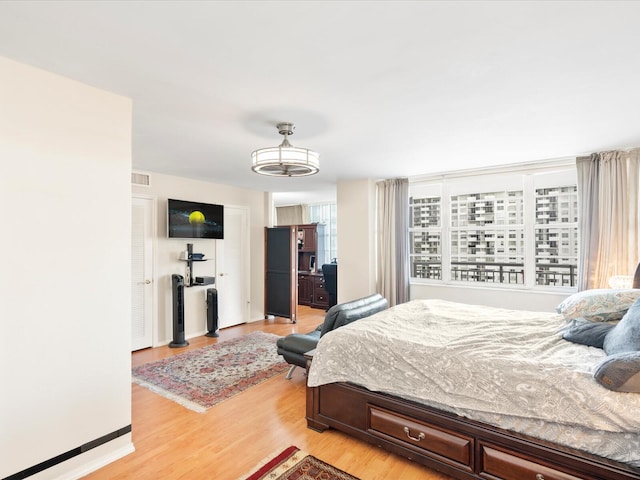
column 487, row 237
column 424, row 237
column 556, row 236
column 522, row 233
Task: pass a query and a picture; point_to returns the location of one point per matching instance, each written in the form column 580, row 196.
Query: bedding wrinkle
column 504, row 367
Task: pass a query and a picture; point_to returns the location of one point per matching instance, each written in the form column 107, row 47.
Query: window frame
column 523, row 177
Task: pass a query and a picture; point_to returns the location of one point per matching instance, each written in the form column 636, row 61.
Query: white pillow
column 599, row 305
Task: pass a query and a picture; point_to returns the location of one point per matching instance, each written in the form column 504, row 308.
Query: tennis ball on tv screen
column 196, row 217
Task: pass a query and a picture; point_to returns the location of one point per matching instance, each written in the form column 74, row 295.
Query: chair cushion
column 299, row 342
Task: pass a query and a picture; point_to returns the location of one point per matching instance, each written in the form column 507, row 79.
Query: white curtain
column 608, row 216
column 292, row 215
column 392, row 240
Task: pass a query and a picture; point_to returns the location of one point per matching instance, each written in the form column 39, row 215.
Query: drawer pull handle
column 539, row 476
column 421, row 437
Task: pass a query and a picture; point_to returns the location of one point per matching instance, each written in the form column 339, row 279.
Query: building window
column 522, row 233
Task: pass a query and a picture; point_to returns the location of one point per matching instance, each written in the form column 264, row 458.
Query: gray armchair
column 294, row 346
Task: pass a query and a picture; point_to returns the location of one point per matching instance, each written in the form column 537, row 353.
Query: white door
column 141, row 273
column 232, row 268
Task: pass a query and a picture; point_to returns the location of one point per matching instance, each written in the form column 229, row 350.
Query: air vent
column 141, row 179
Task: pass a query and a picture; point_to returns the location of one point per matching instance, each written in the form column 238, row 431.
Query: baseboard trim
column 95, row 463
column 63, row 457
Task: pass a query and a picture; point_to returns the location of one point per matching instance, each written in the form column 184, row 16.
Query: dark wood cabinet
column 320, row 295
column 303, row 244
column 311, row 290
column 308, row 238
column 311, row 253
column 311, row 256
column 305, row 289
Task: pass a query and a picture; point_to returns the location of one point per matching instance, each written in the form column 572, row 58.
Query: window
column 425, row 253
column 514, row 229
column 326, row 213
column 556, row 236
column 425, row 238
column 487, row 237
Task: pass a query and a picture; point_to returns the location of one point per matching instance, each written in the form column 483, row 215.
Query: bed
column 476, row 400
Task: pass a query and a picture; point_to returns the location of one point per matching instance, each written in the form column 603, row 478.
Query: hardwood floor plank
column 232, row 437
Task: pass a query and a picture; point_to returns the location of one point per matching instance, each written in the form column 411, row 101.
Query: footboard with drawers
column 453, row 445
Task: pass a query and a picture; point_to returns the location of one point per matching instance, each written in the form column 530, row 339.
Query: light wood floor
column 232, row 437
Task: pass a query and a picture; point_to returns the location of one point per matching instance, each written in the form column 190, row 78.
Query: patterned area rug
column 294, row 464
column 199, row 379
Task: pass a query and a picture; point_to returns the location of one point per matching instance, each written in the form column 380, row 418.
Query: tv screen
column 195, row 220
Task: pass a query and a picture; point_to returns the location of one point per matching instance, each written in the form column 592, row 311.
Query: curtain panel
column 608, row 216
column 393, row 240
column 292, row 215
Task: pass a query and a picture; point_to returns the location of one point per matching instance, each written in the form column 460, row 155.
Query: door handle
column 147, row 281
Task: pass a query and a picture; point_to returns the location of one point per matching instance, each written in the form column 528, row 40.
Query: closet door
column 232, row 268
column 281, row 271
column 142, row 213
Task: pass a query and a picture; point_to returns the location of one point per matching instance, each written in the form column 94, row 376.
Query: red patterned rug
column 199, row 379
column 294, row 464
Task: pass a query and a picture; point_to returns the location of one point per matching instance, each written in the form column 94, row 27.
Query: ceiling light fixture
column 285, row 160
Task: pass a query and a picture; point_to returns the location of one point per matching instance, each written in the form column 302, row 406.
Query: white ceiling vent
column 141, row 179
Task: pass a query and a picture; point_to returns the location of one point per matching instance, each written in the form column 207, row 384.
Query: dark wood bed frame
column 456, row 446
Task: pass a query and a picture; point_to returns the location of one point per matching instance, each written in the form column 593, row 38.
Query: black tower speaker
column 177, row 282
column 212, row 312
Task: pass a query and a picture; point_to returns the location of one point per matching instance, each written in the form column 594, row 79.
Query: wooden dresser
column 311, row 290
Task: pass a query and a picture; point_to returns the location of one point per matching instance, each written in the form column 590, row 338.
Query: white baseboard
column 90, row 461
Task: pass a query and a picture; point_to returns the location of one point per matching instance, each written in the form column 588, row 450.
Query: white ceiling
column 380, row 88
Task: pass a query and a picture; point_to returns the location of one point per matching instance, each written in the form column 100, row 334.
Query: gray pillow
column 620, row 372
column 586, row 332
column 625, row 336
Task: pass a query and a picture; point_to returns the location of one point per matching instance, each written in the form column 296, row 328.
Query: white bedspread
column 504, row 367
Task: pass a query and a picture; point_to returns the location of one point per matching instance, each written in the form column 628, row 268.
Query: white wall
column 533, row 300
column 167, row 250
column 356, row 239
column 65, row 151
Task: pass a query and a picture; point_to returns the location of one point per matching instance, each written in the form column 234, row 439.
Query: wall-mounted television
column 194, row 219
